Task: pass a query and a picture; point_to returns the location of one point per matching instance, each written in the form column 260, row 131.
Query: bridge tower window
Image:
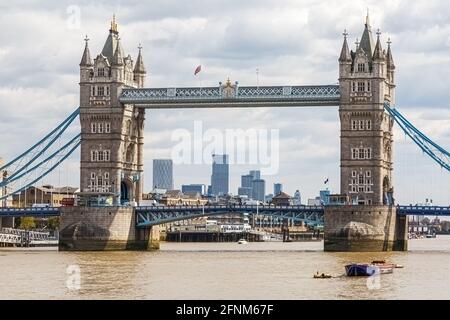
column 107, row 127
column 361, row 67
column 361, row 153
column 101, row 72
column 100, row 127
column 101, row 156
column 106, row 155
column 94, row 155
column 93, row 127
column 361, row 86
column 100, row 91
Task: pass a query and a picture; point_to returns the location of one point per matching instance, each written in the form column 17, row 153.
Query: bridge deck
column 152, row 215
column 219, row 97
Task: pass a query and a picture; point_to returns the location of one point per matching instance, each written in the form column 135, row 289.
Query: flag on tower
column 197, row 70
column 326, row 181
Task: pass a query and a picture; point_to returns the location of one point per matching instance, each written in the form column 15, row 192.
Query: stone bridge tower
column 111, row 156
column 111, row 133
column 366, row 79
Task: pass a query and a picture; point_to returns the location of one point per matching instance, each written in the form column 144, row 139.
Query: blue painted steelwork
column 155, row 215
column 423, row 210
column 30, row 212
column 432, row 149
column 66, row 155
column 75, row 140
column 52, row 136
column 211, row 97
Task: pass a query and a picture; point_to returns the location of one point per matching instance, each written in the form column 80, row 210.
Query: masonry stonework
column 366, row 80
column 104, row 228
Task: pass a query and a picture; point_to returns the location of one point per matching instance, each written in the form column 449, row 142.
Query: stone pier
column 364, row 228
column 104, row 228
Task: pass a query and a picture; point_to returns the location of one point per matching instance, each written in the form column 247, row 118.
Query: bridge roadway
column 154, row 215
column 232, row 95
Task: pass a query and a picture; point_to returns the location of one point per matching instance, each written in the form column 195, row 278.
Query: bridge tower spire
column 366, row 85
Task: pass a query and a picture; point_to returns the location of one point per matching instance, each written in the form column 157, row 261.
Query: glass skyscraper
column 256, row 174
column 220, row 175
column 163, row 174
column 259, row 189
column 246, row 181
column 277, row 188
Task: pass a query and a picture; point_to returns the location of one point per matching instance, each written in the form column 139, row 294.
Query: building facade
column 49, row 195
column 111, row 133
column 193, row 188
column 220, row 175
column 163, row 174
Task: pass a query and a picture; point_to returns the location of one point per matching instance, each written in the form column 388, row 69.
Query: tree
column 53, row 223
column 27, row 223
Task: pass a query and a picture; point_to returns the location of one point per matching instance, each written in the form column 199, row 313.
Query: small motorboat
column 367, row 270
column 242, row 241
column 322, row 276
column 399, row 266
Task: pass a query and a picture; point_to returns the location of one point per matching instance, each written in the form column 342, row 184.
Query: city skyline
column 41, row 92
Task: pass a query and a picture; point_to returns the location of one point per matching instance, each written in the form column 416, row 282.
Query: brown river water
column 268, row 270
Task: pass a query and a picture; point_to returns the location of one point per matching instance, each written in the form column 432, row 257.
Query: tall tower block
column 368, row 221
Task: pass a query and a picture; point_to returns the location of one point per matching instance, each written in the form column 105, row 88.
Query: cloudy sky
column 291, row 42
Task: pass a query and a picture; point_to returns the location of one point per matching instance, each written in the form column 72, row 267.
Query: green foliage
column 53, row 223
column 27, row 223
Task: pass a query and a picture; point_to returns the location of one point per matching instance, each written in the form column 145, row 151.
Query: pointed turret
column 139, row 69
column 86, row 60
column 367, row 43
column 139, row 66
column 118, row 54
column 389, row 58
column 111, row 42
column 345, row 52
column 378, row 53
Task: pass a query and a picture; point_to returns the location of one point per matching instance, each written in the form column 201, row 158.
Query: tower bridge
column 113, row 103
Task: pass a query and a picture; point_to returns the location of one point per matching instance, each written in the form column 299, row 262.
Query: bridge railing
column 229, row 207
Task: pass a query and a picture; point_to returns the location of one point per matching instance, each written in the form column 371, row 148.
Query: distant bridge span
column 156, row 215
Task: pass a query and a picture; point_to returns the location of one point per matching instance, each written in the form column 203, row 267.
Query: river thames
column 268, row 270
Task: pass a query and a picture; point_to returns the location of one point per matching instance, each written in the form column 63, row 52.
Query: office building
column 277, row 188
column 246, row 181
column 220, row 175
column 163, row 174
column 297, row 200
column 258, row 189
column 256, row 174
